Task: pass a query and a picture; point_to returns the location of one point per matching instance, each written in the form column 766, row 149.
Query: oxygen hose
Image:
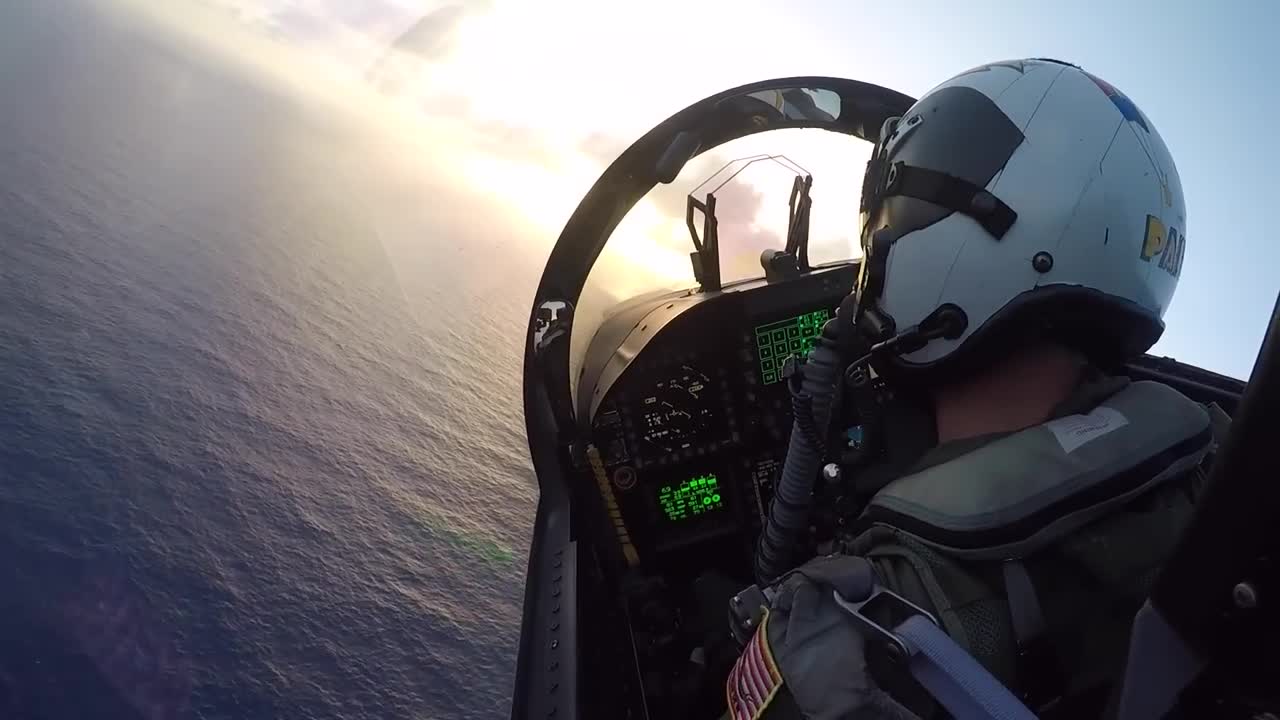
column 788, row 517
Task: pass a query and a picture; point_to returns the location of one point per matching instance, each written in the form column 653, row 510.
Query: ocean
column 261, row 448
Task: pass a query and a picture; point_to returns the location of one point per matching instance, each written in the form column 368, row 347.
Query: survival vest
column 1035, row 550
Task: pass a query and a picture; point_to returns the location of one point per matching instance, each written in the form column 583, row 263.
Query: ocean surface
column 261, row 450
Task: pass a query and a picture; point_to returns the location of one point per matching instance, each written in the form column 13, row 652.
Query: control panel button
column 624, row 478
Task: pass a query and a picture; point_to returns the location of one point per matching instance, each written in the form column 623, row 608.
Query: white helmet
column 1031, row 196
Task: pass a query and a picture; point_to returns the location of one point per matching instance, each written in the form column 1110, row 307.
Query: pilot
column 1038, row 207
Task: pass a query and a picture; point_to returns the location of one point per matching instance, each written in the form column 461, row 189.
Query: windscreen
column 752, row 178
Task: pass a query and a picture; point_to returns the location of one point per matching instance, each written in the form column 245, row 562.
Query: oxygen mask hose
column 812, row 399
column 788, row 518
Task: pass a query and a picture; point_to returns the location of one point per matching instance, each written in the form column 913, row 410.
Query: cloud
column 603, row 147
column 304, row 18
column 430, row 39
column 744, row 229
column 751, row 209
column 409, row 62
column 360, row 34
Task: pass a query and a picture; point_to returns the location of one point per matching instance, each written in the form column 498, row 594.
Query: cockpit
column 681, row 393
column 731, row 240
column 683, row 329
column 691, row 280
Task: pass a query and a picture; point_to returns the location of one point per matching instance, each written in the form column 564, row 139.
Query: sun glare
column 508, row 114
column 544, row 196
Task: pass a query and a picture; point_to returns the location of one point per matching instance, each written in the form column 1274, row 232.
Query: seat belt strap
column 954, row 678
column 957, row 681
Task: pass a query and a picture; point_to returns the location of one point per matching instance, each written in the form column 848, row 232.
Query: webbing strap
column 1024, row 604
column 947, row 671
column 953, row 193
column 957, row 681
column 1039, row 671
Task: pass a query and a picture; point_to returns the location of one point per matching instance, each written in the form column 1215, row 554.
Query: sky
column 527, row 102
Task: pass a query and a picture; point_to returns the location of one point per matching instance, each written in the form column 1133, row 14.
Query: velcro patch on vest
column 755, row 678
column 1076, row 430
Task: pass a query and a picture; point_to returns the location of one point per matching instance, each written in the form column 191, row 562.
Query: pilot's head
column 1034, row 198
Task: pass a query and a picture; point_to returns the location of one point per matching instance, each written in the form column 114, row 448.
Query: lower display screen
column 690, row 498
column 777, row 341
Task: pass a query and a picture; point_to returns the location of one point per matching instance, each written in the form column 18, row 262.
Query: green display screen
column 690, row 498
column 780, row 340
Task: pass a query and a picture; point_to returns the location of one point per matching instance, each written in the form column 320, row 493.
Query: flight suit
column 808, row 660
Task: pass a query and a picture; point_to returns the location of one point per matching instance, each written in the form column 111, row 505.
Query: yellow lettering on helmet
column 1154, row 241
column 1171, row 259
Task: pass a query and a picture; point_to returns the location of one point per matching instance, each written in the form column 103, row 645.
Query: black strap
column 953, row 193
column 1039, row 670
column 1024, row 604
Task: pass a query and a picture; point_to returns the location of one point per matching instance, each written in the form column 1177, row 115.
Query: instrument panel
column 680, row 408
column 693, row 432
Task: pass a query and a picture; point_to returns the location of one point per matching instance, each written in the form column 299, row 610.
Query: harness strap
column 1039, row 670
column 1024, row 604
column 957, row 681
